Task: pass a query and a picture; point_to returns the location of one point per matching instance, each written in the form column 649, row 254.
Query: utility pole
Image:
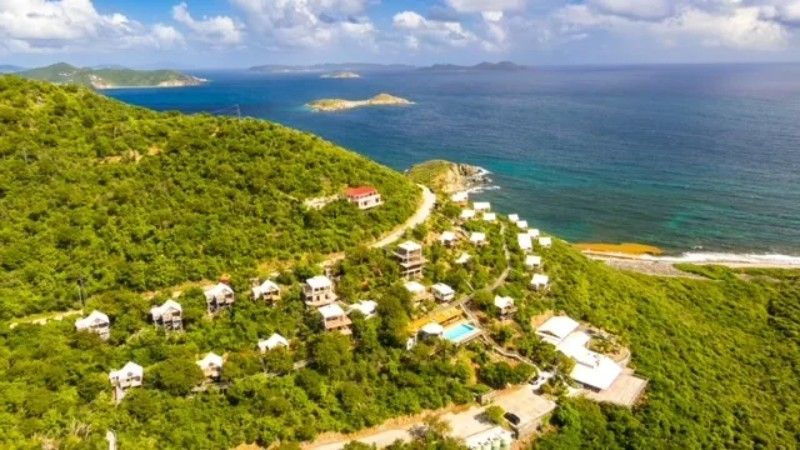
column 80, row 291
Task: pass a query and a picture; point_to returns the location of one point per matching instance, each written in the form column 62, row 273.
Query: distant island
column 503, row 66
column 111, row 78
column 338, row 104
column 7, row 68
column 341, row 75
column 329, row 68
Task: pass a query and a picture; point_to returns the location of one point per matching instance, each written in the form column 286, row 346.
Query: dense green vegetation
column 63, row 73
column 722, row 356
column 126, row 198
column 54, row 378
column 130, row 201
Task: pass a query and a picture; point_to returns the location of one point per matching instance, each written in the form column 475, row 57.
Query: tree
column 176, row 375
column 332, row 354
column 495, row 414
column 394, row 319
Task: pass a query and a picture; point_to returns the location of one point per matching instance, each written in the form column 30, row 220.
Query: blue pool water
column 459, row 332
column 686, row 157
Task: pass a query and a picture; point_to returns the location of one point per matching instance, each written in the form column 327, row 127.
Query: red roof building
column 365, row 197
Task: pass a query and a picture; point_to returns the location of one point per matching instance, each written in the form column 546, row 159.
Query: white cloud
column 308, row 23
column 435, row 33
column 31, row 20
column 475, row 6
column 218, row 30
column 636, row 9
column 492, row 16
column 735, row 24
column 166, row 36
column 743, row 27
column 495, row 30
column 36, row 26
column 788, row 11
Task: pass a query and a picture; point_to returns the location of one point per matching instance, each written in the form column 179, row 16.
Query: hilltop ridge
column 110, row 77
column 129, row 198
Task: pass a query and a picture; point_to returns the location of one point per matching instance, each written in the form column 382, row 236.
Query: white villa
column 489, row 217
column 556, row 329
column 478, row 238
column 534, row 233
column 443, row 292
column 524, row 242
column 129, row 376
column 218, row 297
column 463, row 259
column 540, row 281
column 513, row 218
column 482, row 206
column 168, row 315
column 335, row 319
column 368, row 308
column 431, row 330
column 415, row 288
column 211, row 365
column 467, row 214
column 592, row 370
column 95, row 322
column 272, row 342
column 409, row 256
column 505, row 305
column 318, row 291
column 545, row 241
column 268, row 290
column 448, row 238
column 522, row 224
column 533, row 262
column 461, row 197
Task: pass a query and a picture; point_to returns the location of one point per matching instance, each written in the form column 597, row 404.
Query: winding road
column 423, row 212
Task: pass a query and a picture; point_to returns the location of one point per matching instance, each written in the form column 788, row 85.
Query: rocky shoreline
column 450, row 177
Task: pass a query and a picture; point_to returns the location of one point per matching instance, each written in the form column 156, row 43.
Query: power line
column 229, row 109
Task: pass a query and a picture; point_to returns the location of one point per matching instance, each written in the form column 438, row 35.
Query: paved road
column 422, row 214
column 463, row 422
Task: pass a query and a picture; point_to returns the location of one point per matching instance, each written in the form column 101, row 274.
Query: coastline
column 732, row 260
column 171, row 86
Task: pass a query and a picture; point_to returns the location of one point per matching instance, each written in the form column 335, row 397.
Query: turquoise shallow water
column 684, row 157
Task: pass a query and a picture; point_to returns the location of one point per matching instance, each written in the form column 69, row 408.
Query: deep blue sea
column 696, row 157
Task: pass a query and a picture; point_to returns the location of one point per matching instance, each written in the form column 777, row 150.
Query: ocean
column 690, row 158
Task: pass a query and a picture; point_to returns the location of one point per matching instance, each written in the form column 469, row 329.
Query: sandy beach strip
column 651, row 260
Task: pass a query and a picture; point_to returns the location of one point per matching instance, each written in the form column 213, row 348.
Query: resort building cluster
column 447, row 316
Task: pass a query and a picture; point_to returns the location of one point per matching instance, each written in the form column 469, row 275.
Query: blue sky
column 240, row 33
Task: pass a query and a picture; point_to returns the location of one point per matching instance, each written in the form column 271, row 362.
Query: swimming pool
column 461, row 332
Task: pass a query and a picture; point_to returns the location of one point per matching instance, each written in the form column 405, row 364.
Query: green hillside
column 128, row 198
column 63, row 73
column 131, row 200
column 722, row 356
